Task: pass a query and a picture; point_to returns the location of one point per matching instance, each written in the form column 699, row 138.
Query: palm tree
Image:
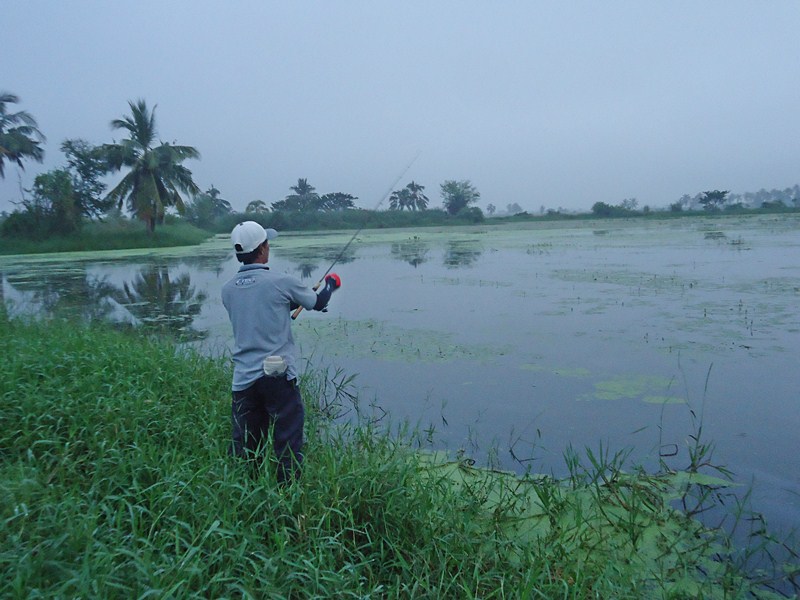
column 256, row 206
column 419, row 201
column 336, row 201
column 410, row 197
column 156, row 175
column 207, row 208
column 305, row 197
column 401, row 199
column 20, row 137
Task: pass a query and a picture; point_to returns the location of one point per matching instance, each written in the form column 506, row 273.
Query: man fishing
column 265, row 392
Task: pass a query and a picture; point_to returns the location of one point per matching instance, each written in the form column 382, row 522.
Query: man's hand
column 332, row 283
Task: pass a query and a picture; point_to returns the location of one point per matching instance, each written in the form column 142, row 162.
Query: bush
column 473, row 214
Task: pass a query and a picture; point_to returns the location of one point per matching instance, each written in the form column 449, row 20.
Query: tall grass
column 113, row 234
column 116, row 483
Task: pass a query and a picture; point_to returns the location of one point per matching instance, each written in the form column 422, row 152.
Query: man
column 265, row 393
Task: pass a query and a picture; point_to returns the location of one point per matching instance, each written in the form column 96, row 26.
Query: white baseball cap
column 249, row 235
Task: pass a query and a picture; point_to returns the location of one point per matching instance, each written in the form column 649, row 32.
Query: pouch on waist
column 274, row 366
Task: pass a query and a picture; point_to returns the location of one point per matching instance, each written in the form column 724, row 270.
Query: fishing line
column 297, row 312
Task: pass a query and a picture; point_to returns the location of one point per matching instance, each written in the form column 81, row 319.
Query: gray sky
column 560, row 104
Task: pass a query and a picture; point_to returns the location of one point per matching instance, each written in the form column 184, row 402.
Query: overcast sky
column 555, row 104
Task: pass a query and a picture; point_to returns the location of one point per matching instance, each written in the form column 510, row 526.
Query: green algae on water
column 648, row 388
column 376, row 339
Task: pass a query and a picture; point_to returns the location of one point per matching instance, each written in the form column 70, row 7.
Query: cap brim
column 271, row 233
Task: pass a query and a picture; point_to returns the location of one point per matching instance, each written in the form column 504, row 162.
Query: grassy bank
column 116, row 234
column 116, row 483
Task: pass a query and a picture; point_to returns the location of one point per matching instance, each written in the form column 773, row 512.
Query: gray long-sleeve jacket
column 258, row 303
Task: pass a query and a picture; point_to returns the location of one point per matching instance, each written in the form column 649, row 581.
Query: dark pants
column 270, row 403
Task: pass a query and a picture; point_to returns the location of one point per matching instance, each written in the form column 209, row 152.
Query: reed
column 113, row 234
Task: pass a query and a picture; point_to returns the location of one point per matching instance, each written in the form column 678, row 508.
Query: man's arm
column 305, row 297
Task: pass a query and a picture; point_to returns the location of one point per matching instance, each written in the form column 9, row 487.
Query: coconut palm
column 256, row 206
column 156, row 175
column 419, row 201
column 305, row 197
column 20, row 137
column 401, row 199
column 410, row 197
column 336, row 201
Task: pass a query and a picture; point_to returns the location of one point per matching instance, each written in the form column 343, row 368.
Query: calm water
column 518, row 341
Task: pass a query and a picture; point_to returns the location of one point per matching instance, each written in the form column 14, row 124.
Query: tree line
column 155, row 180
column 709, row 201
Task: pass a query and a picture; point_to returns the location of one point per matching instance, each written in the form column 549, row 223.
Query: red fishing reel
column 334, row 281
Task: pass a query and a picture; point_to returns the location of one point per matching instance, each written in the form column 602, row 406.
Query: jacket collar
column 252, row 267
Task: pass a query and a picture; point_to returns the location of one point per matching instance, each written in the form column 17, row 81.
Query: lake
column 513, row 342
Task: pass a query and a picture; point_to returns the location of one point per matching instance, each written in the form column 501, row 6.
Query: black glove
column 332, row 283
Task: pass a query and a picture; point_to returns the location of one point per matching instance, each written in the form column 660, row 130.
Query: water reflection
column 209, row 263
column 161, row 302
column 309, row 261
column 306, row 269
column 341, row 256
column 413, row 252
column 153, row 299
column 460, row 253
column 69, row 291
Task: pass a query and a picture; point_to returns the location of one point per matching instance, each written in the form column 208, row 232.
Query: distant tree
column 676, row 207
column 51, row 209
column 629, row 204
column 601, row 209
column 53, row 191
column 336, row 201
column 773, row 205
column 401, row 199
column 156, row 176
column 410, row 197
column 686, row 202
column 207, row 207
column 458, row 195
column 513, row 208
column 256, row 206
column 220, row 207
column 419, row 201
column 304, row 191
column 305, row 197
column 491, row 209
column 87, row 165
column 712, row 200
column 20, row 137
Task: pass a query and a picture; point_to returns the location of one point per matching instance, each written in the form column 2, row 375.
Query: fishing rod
column 297, row 312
